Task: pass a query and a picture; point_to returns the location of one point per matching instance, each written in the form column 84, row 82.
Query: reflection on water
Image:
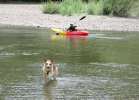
column 49, row 90
column 101, row 66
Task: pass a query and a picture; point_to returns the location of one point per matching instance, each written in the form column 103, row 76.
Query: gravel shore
column 31, row 15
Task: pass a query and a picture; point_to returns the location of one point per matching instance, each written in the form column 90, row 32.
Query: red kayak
column 78, row 32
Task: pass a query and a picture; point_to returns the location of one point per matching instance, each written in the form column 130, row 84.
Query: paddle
column 82, row 17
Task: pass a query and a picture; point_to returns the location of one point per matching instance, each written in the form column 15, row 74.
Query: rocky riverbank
column 31, row 15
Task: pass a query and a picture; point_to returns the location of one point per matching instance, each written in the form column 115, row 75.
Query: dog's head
column 48, row 63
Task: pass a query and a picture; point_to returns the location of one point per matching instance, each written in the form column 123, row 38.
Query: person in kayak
column 72, row 28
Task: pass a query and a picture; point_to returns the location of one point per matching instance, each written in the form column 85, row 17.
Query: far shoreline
column 9, row 26
column 30, row 15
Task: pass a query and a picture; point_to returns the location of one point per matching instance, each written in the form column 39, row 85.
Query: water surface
column 102, row 66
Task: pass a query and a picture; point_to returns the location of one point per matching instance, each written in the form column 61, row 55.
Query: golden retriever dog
column 50, row 70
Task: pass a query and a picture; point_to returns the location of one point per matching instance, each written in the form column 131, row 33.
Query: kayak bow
column 61, row 32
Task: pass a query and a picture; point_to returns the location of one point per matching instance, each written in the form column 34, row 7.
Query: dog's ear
column 52, row 61
column 44, row 59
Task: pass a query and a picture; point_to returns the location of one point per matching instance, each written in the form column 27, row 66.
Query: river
column 101, row 66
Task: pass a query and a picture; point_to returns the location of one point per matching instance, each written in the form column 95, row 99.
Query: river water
column 101, row 66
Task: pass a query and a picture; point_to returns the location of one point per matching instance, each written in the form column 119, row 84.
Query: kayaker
column 57, row 34
column 72, row 28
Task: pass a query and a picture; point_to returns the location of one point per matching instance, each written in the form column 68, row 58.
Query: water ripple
column 7, row 54
column 113, row 38
column 111, row 64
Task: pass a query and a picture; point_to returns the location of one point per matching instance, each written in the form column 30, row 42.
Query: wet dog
column 50, row 70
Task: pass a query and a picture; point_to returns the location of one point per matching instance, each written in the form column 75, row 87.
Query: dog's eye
column 50, row 64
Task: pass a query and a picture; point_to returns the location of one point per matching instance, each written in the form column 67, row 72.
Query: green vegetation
column 134, row 11
column 95, row 8
column 67, row 7
column 70, row 7
column 5, row 1
column 50, row 7
column 121, row 8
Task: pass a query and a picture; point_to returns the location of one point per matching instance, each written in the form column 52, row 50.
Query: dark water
column 102, row 66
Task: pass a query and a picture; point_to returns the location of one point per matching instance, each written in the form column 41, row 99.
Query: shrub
column 107, row 7
column 95, row 7
column 134, row 11
column 70, row 7
column 117, row 7
column 50, row 7
column 121, row 7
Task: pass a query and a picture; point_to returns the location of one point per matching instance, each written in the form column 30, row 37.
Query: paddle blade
column 82, row 17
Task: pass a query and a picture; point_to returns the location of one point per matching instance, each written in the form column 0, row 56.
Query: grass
column 70, row 7
column 50, row 7
column 134, row 11
column 107, row 7
column 95, row 7
column 67, row 7
column 121, row 7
